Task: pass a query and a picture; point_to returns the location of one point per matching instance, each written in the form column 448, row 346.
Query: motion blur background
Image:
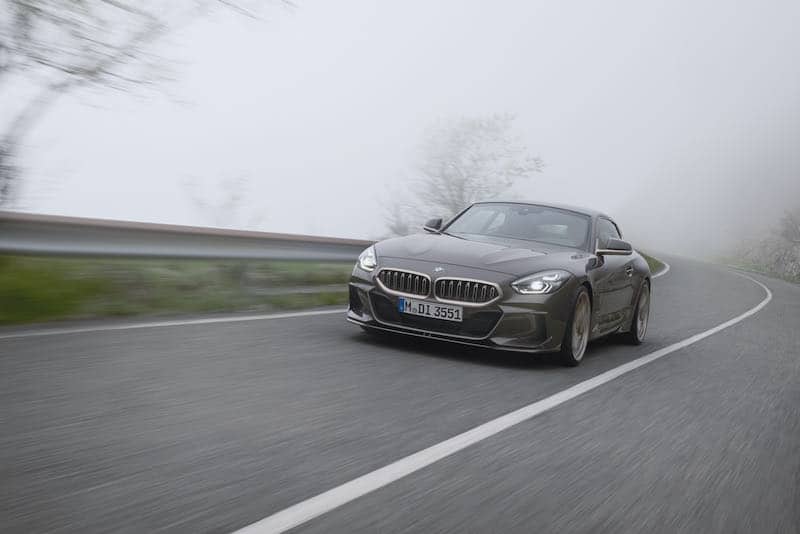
column 682, row 119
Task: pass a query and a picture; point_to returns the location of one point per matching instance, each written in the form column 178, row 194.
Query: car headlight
column 367, row 260
column 541, row 283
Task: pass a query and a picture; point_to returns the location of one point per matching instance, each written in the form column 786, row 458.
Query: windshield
column 524, row 221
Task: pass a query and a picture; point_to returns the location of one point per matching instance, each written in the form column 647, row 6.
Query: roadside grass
column 655, row 265
column 35, row 289
column 38, row 289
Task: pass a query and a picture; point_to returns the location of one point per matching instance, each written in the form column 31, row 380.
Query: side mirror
column 615, row 247
column 433, row 225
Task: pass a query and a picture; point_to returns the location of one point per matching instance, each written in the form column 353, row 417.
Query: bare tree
column 779, row 253
column 790, row 226
column 54, row 47
column 462, row 160
column 224, row 203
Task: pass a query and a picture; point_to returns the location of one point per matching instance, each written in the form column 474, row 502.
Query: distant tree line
column 779, row 252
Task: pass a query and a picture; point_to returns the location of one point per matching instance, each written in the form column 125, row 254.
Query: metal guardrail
column 25, row 233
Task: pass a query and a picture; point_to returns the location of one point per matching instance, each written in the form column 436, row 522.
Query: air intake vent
column 405, row 282
column 466, row 290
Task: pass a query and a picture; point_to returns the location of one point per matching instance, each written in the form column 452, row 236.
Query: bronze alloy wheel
column 576, row 337
column 641, row 316
column 643, row 312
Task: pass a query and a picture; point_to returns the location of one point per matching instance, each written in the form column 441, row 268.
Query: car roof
column 576, row 209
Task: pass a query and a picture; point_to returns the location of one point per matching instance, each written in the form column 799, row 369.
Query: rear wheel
column 641, row 316
column 576, row 336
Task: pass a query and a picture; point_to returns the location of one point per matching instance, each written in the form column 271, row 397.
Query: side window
column 605, row 230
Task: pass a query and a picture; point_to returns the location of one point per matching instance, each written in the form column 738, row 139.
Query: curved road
column 215, row 426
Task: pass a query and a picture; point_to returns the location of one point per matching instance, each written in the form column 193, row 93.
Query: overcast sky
column 681, row 118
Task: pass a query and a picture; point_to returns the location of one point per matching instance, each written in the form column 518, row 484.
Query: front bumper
column 528, row 323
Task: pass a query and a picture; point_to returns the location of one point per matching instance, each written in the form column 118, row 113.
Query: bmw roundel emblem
column 438, row 269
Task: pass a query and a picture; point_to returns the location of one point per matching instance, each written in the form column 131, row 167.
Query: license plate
column 431, row 309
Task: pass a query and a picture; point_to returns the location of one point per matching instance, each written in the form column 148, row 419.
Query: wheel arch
column 636, row 295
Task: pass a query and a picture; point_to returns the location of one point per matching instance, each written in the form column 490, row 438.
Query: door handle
column 629, row 271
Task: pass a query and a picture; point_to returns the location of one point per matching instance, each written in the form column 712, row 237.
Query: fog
column 678, row 118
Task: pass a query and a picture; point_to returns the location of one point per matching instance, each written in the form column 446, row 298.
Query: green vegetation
column 655, row 265
column 36, row 289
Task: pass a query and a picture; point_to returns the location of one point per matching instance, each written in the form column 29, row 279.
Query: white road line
column 663, row 271
column 158, row 324
column 307, row 510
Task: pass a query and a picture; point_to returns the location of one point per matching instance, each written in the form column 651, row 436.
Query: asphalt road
column 212, row 427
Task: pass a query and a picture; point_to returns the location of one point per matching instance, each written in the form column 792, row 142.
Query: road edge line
column 161, row 324
column 663, row 271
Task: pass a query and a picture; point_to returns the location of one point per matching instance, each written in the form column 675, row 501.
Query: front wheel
column 641, row 316
column 576, row 336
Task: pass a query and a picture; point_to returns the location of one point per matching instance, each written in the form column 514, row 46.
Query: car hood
column 508, row 256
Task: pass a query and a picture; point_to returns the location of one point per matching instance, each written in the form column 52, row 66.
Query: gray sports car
column 508, row 275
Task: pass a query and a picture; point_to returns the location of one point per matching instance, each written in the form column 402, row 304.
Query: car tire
column 641, row 316
column 578, row 330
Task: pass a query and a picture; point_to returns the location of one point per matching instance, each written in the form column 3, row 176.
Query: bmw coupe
column 515, row 276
